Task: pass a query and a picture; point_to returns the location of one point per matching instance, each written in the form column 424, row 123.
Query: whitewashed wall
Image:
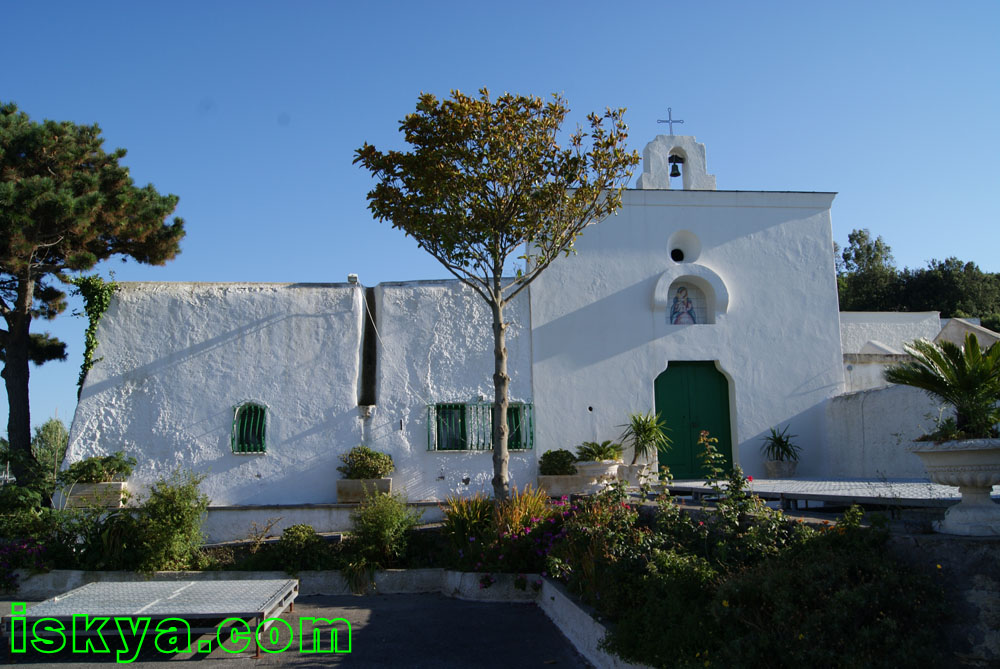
column 598, row 340
column 436, row 345
column 174, row 360
column 872, row 432
column 892, row 328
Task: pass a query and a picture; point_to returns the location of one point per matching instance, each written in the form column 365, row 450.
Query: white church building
column 716, row 308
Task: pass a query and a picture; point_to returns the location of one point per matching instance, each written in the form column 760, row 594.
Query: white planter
column 107, row 495
column 564, row 484
column 598, row 474
column 779, row 469
column 352, row 491
column 634, row 475
column 974, row 466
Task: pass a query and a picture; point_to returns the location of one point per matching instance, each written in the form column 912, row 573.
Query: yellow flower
column 725, row 602
column 801, row 637
column 939, row 566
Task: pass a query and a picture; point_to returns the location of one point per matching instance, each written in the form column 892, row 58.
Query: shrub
column 17, row 555
column 521, row 509
column 98, row 469
column 362, row 462
column 557, row 463
column 591, row 451
column 15, row 498
column 838, row 599
column 381, row 524
column 169, row 522
column 299, row 548
column 468, row 518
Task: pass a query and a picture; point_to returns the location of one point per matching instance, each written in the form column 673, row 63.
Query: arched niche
column 705, row 290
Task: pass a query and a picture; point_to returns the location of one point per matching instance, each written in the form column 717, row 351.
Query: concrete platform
column 801, row 492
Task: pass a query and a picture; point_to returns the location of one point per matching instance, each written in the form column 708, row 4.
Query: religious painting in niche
column 687, row 306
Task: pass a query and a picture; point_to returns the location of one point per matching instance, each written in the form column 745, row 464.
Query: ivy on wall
column 96, row 293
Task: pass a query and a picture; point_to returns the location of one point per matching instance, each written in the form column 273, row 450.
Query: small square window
column 250, row 429
column 450, row 424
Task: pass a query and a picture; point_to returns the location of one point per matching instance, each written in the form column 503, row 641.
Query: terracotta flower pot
column 780, row 469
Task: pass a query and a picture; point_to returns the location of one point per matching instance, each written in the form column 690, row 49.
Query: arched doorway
column 691, row 397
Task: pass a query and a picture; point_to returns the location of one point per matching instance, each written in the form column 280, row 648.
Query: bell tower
column 672, row 156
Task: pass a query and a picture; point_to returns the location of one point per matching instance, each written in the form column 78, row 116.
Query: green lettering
column 176, row 640
column 133, row 625
column 274, row 635
column 50, row 626
column 235, row 635
column 317, row 635
column 16, row 614
column 86, row 634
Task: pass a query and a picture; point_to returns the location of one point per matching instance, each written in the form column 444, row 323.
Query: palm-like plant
column 591, row 451
column 966, row 377
column 646, row 433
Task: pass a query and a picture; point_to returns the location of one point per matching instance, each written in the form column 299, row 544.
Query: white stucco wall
column 892, row 328
column 436, row 345
column 599, row 342
column 175, row 359
column 872, row 431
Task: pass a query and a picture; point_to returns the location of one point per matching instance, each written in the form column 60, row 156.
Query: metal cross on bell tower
column 669, row 120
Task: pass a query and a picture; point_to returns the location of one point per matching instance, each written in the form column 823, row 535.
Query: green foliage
column 16, row 498
column 380, row 528
column 362, row 462
column 169, row 522
column 646, row 434
column 967, row 378
column 67, row 205
column 486, row 180
column 713, row 462
column 591, row 451
column 96, row 293
column 838, row 599
column 98, row 469
column 468, row 518
column 779, row 446
column 557, row 463
column 300, row 549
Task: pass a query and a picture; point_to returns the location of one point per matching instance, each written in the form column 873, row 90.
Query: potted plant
column 781, row 454
column 646, row 433
column 963, row 451
column 598, row 462
column 97, row 481
column 364, row 470
column 557, row 473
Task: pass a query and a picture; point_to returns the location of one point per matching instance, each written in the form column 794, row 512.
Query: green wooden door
column 691, row 397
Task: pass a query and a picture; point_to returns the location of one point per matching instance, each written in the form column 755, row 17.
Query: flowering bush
column 17, row 555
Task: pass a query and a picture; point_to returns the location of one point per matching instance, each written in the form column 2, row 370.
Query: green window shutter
column 451, row 428
column 250, row 429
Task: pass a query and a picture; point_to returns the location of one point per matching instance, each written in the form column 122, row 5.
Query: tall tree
column 65, row 204
column 486, row 181
column 867, row 276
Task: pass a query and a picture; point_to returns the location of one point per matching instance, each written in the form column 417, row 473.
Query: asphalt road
column 419, row 630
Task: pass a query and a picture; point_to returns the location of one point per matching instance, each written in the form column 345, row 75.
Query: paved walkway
column 897, row 492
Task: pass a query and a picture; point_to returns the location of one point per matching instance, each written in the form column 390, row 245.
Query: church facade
column 716, row 308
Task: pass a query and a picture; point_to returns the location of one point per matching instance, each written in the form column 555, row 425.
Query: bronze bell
column 675, row 171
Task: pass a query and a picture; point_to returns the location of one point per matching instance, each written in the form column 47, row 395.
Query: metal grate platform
column 204, row 603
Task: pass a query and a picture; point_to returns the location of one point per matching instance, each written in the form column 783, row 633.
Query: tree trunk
column 501, row 481
column 15, row 374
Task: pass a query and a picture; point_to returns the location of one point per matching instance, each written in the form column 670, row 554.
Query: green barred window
column 250, row 429
column 469, row 427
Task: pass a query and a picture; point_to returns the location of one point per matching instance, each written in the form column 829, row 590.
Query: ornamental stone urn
column 598, row 474
column 974, row 466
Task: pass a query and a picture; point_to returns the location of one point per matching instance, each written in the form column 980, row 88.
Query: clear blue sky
column 251, row 111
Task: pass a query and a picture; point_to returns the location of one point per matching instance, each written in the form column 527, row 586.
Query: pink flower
column 750, row 478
